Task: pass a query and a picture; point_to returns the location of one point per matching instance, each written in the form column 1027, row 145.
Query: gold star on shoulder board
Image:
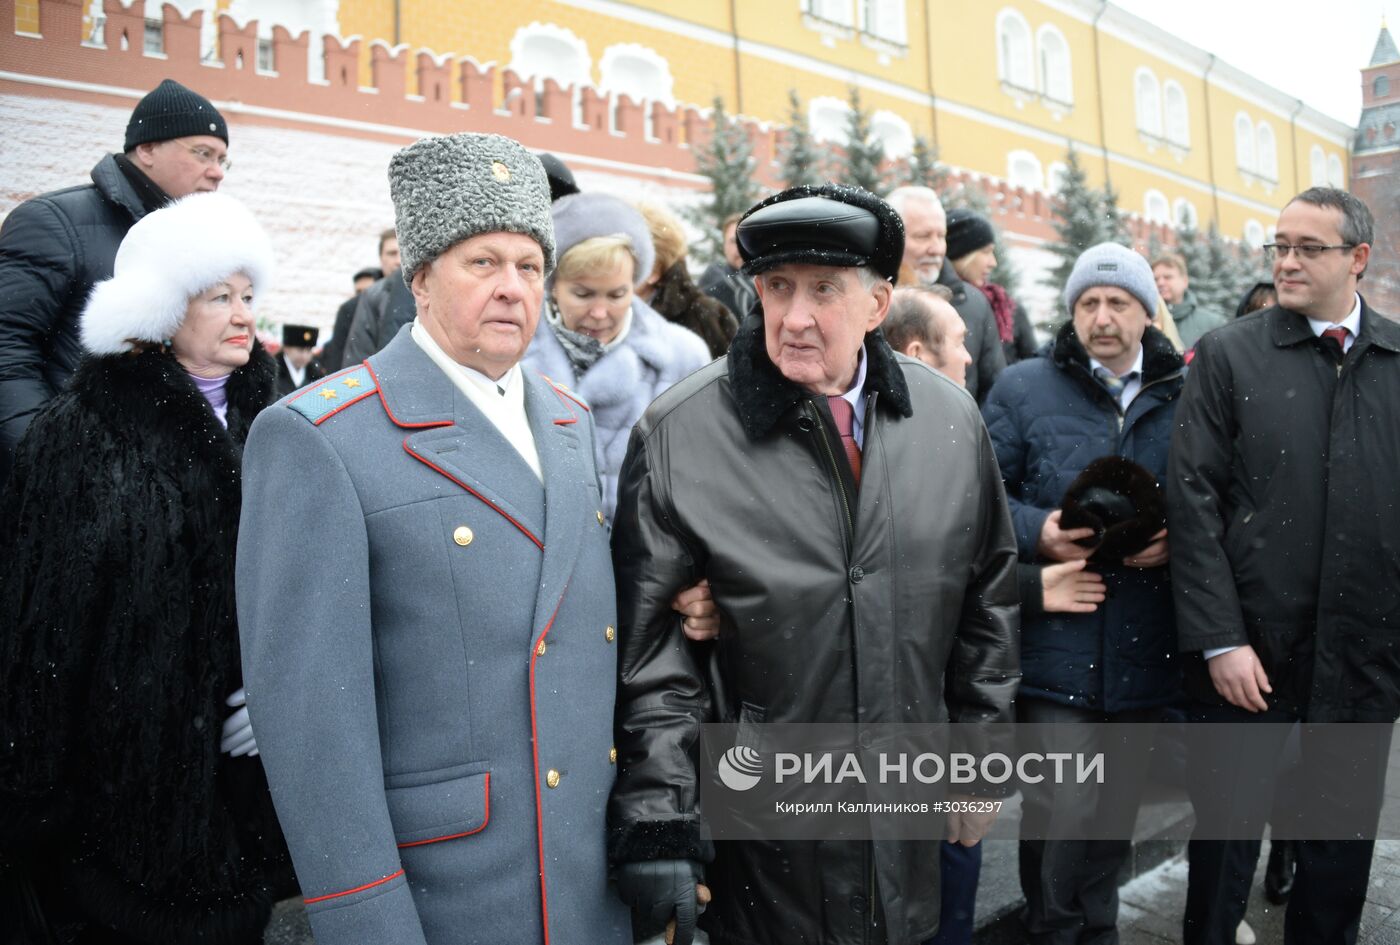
column 329, row 393
column 352, row 383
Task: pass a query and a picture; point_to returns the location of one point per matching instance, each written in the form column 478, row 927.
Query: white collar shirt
column 1352, row 323
column 1134, row 385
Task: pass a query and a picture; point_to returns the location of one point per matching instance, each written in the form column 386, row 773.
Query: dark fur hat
column 1121, row 501
column 808, row 224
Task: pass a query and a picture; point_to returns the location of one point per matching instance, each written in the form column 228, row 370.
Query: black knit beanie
column 968, row 232
column 173, row 111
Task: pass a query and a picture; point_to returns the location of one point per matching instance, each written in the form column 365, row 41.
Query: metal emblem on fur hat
column 452, row 187
column 170, row 256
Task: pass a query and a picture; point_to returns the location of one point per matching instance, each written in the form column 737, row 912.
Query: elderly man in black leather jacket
column 55, row 247
column 776, row 473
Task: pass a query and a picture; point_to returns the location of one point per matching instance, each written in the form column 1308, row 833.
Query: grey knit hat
column 580, row 217
column 450, row 188
column 1115, row 265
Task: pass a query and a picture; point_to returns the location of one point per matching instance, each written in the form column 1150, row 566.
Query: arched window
column 1014, row 50
column 1149, row 102
column 1254, row 233
column 1381, row 87
column 544, row 51
column 637, row 72
column 1184, row 214
column 893, row 133
column 828, row 119
column 1267, row 153
column 1055, row 176
column 1178, row 118
column 1056, row 76
column 1155, row 207
column 1317, row 165
column 1023, row 170
column 1335, row 177
column 1244, row 142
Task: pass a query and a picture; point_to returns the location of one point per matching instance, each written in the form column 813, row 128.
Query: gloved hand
column 660, row 889
column 238, row 728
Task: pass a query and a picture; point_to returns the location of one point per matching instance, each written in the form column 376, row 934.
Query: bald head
column 925, row 230
column 923, row 324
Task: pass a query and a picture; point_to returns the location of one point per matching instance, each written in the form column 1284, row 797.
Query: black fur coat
column 118, row 647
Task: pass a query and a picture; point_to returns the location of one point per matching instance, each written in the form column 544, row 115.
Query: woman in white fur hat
column 132, row 804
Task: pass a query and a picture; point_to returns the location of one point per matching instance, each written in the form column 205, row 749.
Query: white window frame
column 886, row 21
column 1177, row 120
column 619, row 53
column 1034, row 180
column 1065, row 74
column 1317, row 166
column 1266, row 151
column 1336, row 174
column 1008, row 70
column 828, row 119
column 837, row 12
column 1244, row 143
column 1184, row 214
column 1254, row 234
column 894, row 134
column 1055, row 175
column 1156, row 208
column 1149, row 113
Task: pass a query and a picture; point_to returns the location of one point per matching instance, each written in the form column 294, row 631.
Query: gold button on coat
column 539, row 650
column 463, row 535
column 612, row 756
column 609, row 634
column 552, row 778
column 600, row 516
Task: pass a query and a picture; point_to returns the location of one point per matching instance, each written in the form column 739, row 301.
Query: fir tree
column 1079, row 222
column 728, row 161
column 801, row 162
column 1115, row 227
column 1229, row 274
column 864, row 152
column 923, row 169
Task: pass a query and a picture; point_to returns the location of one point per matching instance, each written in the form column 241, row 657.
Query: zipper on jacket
column 820, row 432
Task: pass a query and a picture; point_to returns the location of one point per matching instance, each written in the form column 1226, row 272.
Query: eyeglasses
column 206, row 157
column 1273, row 251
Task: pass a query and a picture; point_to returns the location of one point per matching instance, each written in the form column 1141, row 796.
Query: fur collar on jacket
column 149, row 391
column 763, row 395
column 1159, row 358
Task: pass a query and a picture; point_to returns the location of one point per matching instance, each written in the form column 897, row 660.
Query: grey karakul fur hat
column 450, row 188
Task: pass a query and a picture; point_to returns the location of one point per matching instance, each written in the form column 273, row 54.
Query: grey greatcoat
column 429, row 656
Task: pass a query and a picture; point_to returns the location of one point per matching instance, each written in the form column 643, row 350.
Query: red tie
column 844, row 415
column 1339, row 335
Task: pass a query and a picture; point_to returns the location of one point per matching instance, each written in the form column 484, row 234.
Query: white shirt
column 1133, row 387
column 298, row 373
column 1352, row 323
column 857, row 401
column 502, row 402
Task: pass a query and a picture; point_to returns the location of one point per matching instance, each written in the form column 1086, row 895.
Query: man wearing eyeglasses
column 54, row 247
column 1286, row 573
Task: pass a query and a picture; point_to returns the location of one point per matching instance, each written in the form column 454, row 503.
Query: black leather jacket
column 53, row 248
column 893, row 603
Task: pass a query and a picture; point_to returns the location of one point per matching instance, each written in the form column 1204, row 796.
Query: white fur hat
column 170, row 256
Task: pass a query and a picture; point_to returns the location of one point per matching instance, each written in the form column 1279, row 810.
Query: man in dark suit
column 297, row 365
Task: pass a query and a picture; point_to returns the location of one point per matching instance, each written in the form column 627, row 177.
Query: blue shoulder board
column 317, row 402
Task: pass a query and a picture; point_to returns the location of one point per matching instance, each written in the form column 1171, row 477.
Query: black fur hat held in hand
column 1121, row 501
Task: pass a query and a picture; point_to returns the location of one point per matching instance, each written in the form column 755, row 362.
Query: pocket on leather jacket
column 441, row 810
column 748, row 733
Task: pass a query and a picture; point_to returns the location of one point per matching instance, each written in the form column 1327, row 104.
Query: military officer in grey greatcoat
column 426, row 599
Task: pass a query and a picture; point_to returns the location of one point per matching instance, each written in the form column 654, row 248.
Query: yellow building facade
column 1002, row 89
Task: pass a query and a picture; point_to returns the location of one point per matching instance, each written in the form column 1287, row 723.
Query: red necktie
column 844, row 415
column 1338, row 335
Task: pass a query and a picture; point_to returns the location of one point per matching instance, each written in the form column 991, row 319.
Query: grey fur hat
column 580, row 217
column 1115, row 265
column 450, row 188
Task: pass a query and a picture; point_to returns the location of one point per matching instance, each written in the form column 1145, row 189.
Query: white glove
column 238, row 729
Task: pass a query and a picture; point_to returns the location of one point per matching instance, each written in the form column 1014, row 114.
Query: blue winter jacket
column 1049, row 417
